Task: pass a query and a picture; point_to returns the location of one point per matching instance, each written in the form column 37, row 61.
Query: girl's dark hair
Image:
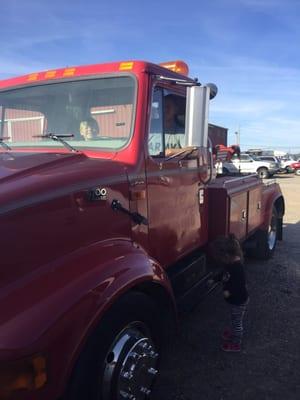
column 226, row 246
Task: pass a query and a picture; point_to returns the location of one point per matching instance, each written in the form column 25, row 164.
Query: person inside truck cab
column 89, row 129
column 167, row 124
column 173, row 126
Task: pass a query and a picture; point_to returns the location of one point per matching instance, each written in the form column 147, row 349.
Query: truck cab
column 107, row 207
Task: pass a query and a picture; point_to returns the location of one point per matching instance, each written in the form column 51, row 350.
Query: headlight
column 26, row 374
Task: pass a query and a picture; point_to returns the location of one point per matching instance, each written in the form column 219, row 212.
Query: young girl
column 228, row 254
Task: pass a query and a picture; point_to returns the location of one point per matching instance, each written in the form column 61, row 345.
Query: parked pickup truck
column 246, row 164
column 106, row 215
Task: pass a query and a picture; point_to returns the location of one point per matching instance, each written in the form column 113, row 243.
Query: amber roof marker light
column 177, row 66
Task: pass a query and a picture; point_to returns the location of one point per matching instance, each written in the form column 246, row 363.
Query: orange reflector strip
column 40, row 378
column 137, row 194
column 50, row 74
column 33, row 77
column 125, row 66
column 69, row 71
column 177, row 66
column 28, row 374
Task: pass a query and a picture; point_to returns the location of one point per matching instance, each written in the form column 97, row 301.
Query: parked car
column 246, row 164
column 296, row 167
column 285, row 164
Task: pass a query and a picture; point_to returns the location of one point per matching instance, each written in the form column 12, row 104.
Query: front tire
column 120, row 358
column 263, row 173
column 297, row 172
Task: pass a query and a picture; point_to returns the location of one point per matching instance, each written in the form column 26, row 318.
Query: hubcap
column 262, row 174
column 272, row 233
column 130, row 365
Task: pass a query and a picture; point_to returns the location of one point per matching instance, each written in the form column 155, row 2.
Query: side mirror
column 213, row 90
column 197, row 109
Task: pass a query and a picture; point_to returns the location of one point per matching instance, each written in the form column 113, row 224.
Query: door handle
column 136, row 217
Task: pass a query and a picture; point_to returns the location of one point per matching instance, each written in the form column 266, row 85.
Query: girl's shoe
column 231, row 347
column 226, row 335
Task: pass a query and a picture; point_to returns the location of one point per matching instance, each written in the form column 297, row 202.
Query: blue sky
column 249, row 48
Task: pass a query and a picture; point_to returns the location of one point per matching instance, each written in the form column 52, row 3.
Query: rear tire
column 297, row 172
column 266, row 240
column 120, row 358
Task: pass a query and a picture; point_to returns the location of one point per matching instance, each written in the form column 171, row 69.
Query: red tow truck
column 104, row 237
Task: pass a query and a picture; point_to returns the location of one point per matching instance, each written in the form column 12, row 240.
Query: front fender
column 66, row 301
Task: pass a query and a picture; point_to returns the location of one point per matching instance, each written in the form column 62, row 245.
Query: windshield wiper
column 3, row 144
column 59, row 138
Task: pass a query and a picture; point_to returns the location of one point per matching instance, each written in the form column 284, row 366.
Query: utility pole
column 238, row 137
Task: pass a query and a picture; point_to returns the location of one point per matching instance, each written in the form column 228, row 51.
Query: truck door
column 176, row 198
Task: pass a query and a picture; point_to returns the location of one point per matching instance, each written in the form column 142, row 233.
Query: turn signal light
column 177, row 66
column 28, row 374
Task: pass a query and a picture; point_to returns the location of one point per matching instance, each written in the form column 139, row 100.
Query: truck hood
column 28, row 177
column 13, row 164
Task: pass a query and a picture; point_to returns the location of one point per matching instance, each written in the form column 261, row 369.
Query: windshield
column 97, row 112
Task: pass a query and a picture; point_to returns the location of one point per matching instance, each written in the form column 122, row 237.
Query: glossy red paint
column 295, row 165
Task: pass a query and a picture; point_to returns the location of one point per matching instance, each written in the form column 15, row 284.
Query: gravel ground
column 269, row 364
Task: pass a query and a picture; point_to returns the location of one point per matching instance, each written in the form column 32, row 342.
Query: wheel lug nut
column 126, row 395
column 153, row 354
column 145, row 390
column 126, row 375
column 152, row 371
column 133, row 354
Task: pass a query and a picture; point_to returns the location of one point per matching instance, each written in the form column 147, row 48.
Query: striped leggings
column 237, row 313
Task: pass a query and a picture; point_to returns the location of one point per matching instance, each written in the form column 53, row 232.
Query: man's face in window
column 170, row 111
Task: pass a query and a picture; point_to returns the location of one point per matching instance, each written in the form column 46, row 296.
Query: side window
column 245, row 158
column 167, row 126
column 156, row 138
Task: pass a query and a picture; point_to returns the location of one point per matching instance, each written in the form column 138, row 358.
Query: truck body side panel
column 235, row 206
column 238, row 214
column 254, row 209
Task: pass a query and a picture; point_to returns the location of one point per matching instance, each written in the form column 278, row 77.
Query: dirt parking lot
column 268, row 367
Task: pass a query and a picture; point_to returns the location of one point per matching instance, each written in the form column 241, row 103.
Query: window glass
column 174, row 121
column 155, row 142
column 97, row 112
column 167, row 124
column 244, row 157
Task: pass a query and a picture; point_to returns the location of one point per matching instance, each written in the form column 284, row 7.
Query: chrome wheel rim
column 272, row 232
column 130, row 365
column 262, row 174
